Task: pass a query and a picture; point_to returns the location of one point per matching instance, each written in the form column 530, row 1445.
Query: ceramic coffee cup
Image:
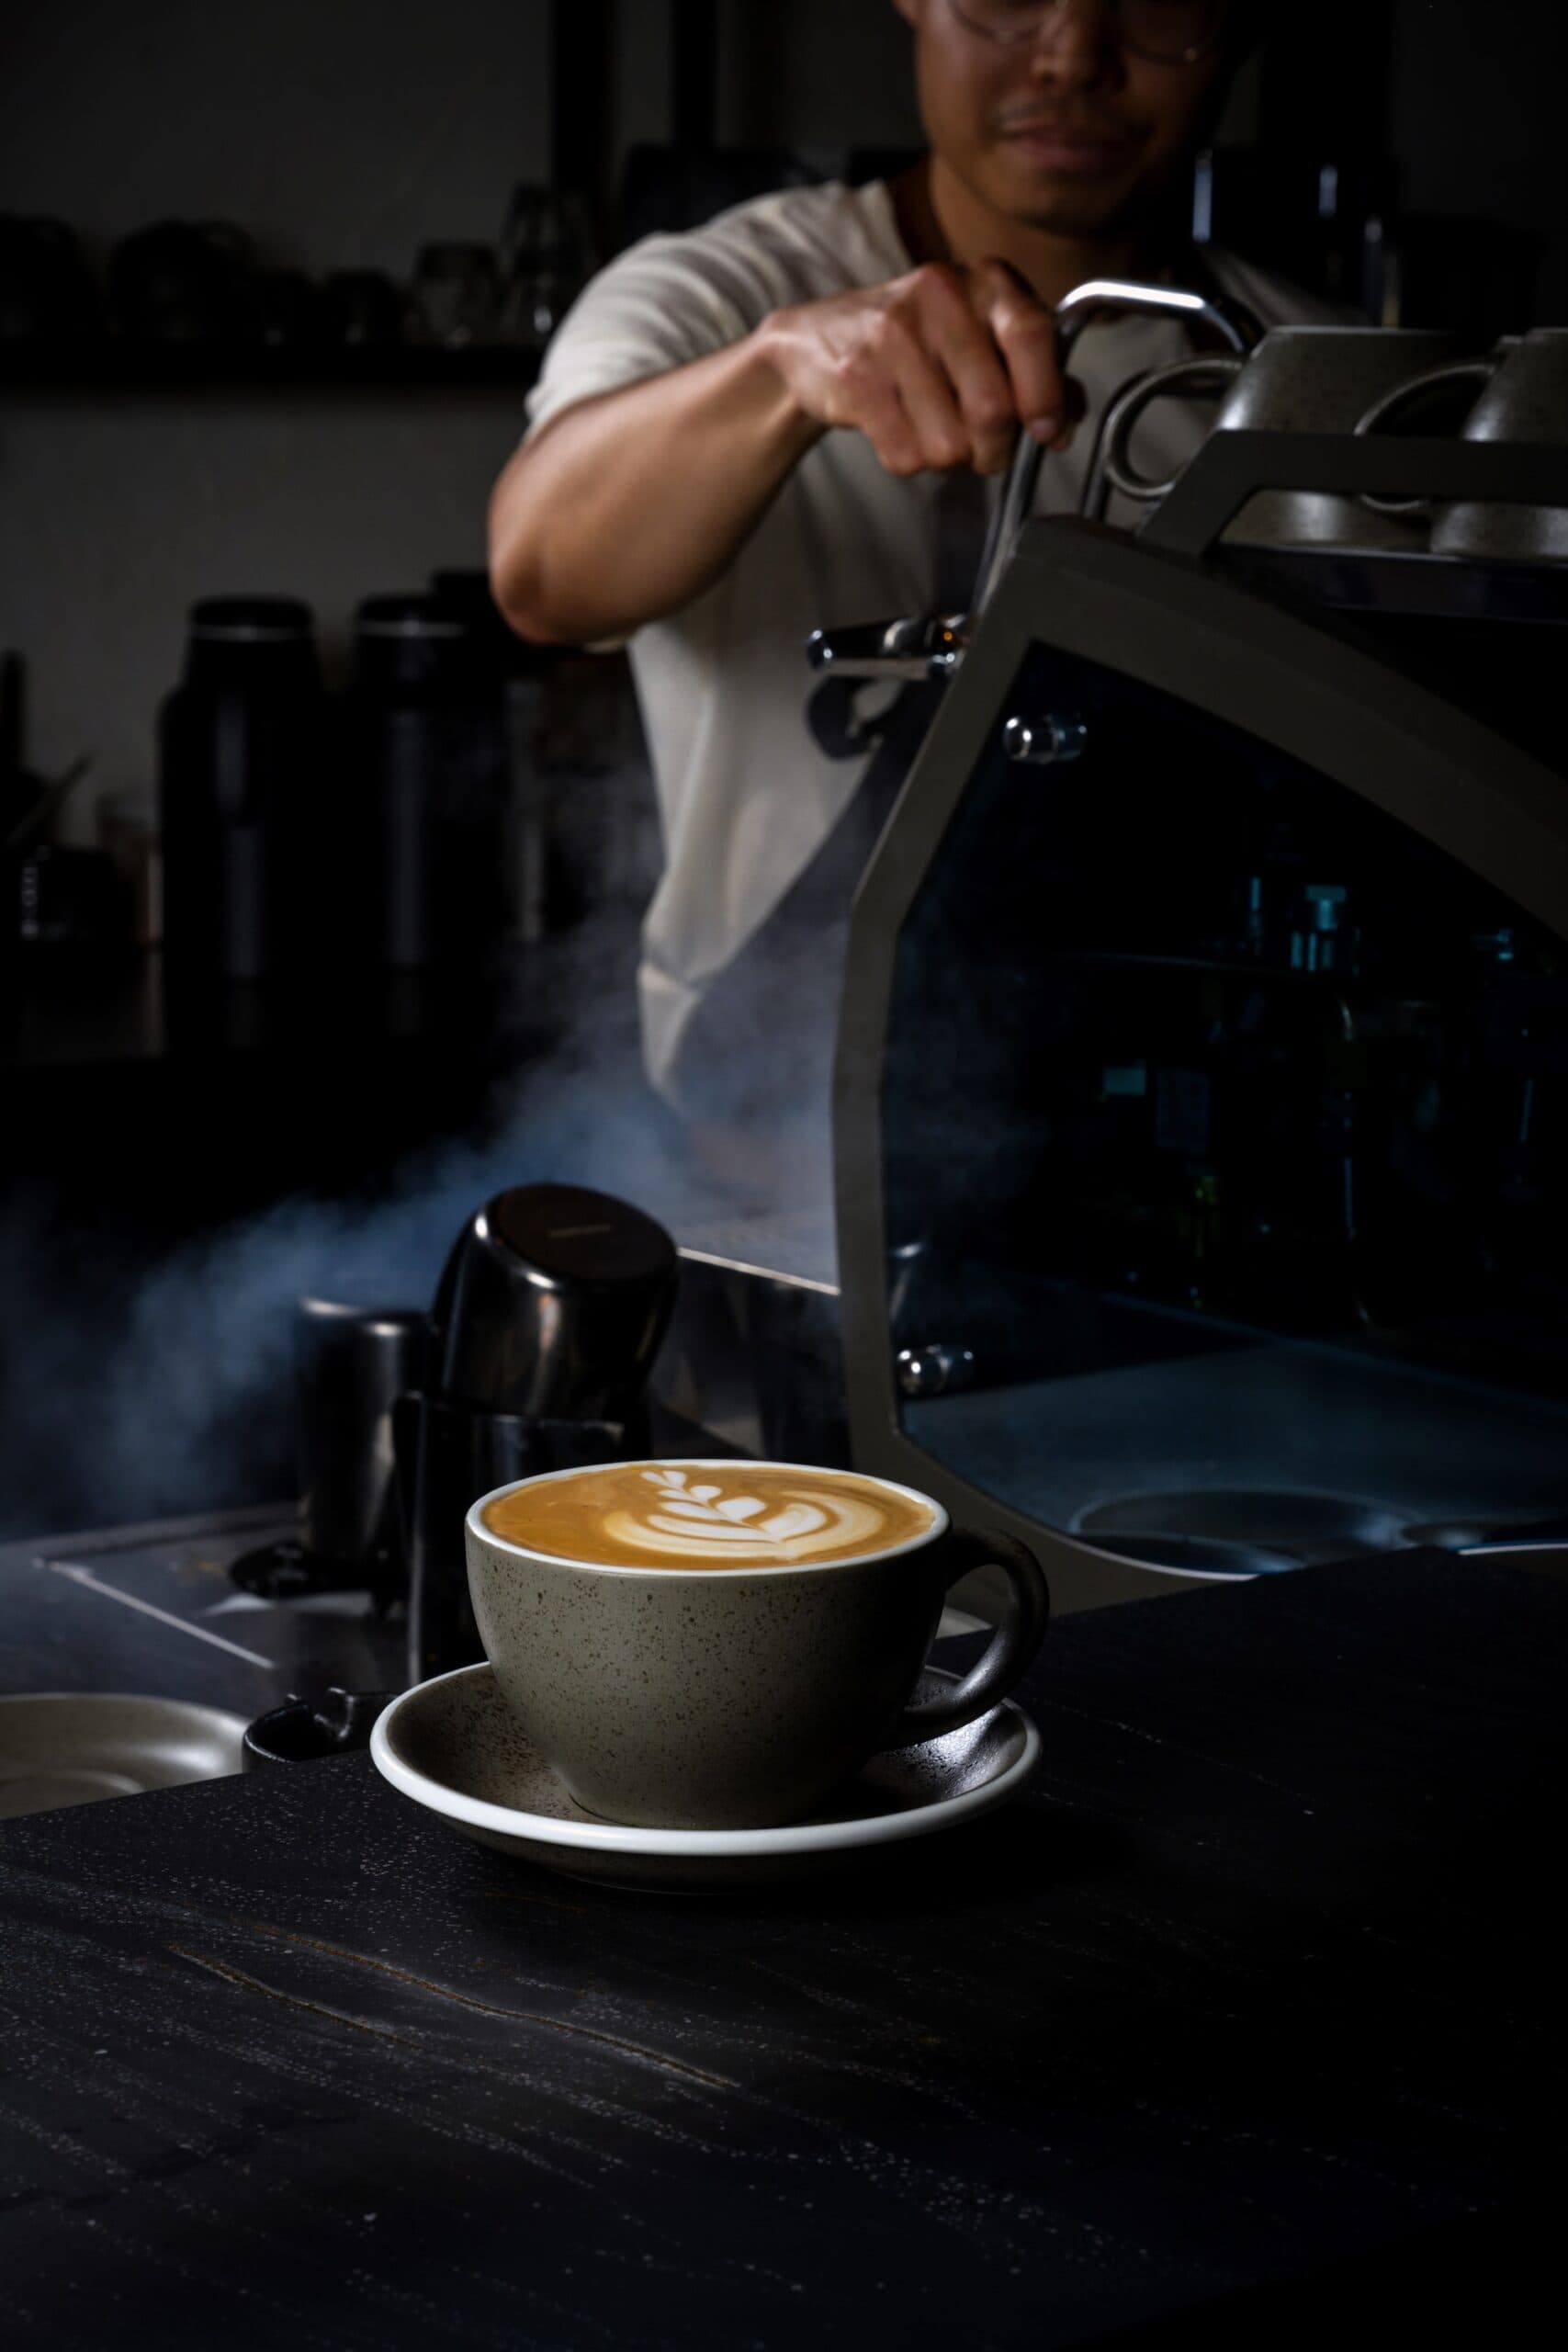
column 1299, row 380
column 719, row 1696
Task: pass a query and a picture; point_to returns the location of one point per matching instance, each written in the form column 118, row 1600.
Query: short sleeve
column 665, row 303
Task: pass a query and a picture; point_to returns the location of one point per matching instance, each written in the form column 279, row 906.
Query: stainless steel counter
column 152, row 1610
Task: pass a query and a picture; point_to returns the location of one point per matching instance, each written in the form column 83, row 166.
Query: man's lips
column 1058, row 147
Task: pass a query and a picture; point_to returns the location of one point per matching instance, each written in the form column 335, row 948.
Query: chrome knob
column 933, row 1371
column 1050, row 742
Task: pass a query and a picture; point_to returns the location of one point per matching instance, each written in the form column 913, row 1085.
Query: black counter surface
column 1242, row 2023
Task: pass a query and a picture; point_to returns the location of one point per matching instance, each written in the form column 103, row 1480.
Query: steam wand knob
column 1051, row 741
column 937, row 1370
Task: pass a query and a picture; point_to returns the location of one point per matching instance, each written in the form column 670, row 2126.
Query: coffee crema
column 695, row 1515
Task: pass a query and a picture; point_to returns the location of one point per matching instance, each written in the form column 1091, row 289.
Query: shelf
column 65, row 1010
column 181, row 367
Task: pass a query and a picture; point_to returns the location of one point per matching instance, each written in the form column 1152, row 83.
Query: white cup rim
column 743, row 1571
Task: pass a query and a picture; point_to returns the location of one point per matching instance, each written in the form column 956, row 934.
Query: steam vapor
column 188, row 1405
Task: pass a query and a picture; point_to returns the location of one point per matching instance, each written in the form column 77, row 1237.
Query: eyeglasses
column 1168, row 32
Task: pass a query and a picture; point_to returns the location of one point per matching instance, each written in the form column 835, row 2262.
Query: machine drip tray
column 1239, row 1532
column 1196, row 1555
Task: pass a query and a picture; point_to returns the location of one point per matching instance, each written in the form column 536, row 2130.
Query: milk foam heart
column 697, row 1515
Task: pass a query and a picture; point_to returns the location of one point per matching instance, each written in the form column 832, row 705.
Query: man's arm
column 629, row 506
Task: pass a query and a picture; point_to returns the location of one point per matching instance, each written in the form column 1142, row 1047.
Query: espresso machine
column 1200, row 1117
column 547, row 1319
column 1202, row 1102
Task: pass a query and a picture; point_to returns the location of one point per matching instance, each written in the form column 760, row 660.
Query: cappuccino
column 708, row 1515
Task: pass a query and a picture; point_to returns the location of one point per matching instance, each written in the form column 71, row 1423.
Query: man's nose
column 1077, row 43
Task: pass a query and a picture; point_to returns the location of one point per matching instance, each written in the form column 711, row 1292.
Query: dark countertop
column 1244, row 2017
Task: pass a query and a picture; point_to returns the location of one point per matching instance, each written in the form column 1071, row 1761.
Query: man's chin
column 1064, row 204
column 1071, row 217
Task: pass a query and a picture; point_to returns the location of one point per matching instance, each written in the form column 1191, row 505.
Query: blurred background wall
column 341, row 137
column 1475, row 123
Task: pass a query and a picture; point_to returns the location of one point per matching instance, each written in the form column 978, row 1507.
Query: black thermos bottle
column 246, row 830
column 427, row 753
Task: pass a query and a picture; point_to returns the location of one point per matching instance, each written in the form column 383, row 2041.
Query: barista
column 786, row 419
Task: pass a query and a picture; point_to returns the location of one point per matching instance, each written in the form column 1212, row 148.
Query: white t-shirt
column 745, row 796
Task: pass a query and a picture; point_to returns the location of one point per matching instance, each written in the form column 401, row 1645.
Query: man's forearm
column 631, row 504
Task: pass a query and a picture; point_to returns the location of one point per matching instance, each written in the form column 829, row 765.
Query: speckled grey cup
column 1525, row 399
column 736, row 1697
column 1299, row 380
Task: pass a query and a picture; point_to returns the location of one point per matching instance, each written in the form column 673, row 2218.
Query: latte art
column 702, row 1515
column 691, row 1514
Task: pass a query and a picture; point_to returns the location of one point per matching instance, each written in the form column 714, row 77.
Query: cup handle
column 1456, row 371
column 1011, row 1649
column 1204, row 371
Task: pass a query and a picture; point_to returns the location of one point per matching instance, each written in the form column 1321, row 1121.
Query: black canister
column 246, row 846
column 548, row 1317
column 428, row 755
column 552, row 1304
column 448, row 1454
column 351, row 1364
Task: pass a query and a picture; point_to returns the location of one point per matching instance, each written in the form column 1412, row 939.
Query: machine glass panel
column 1225, row 1133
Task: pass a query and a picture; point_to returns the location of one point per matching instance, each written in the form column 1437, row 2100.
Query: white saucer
column 452, row 1746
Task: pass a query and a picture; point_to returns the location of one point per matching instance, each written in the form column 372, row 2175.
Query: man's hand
column 938, row 368
column 630, row 505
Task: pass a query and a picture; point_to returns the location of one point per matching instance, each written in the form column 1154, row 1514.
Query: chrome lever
column 1095, row 299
